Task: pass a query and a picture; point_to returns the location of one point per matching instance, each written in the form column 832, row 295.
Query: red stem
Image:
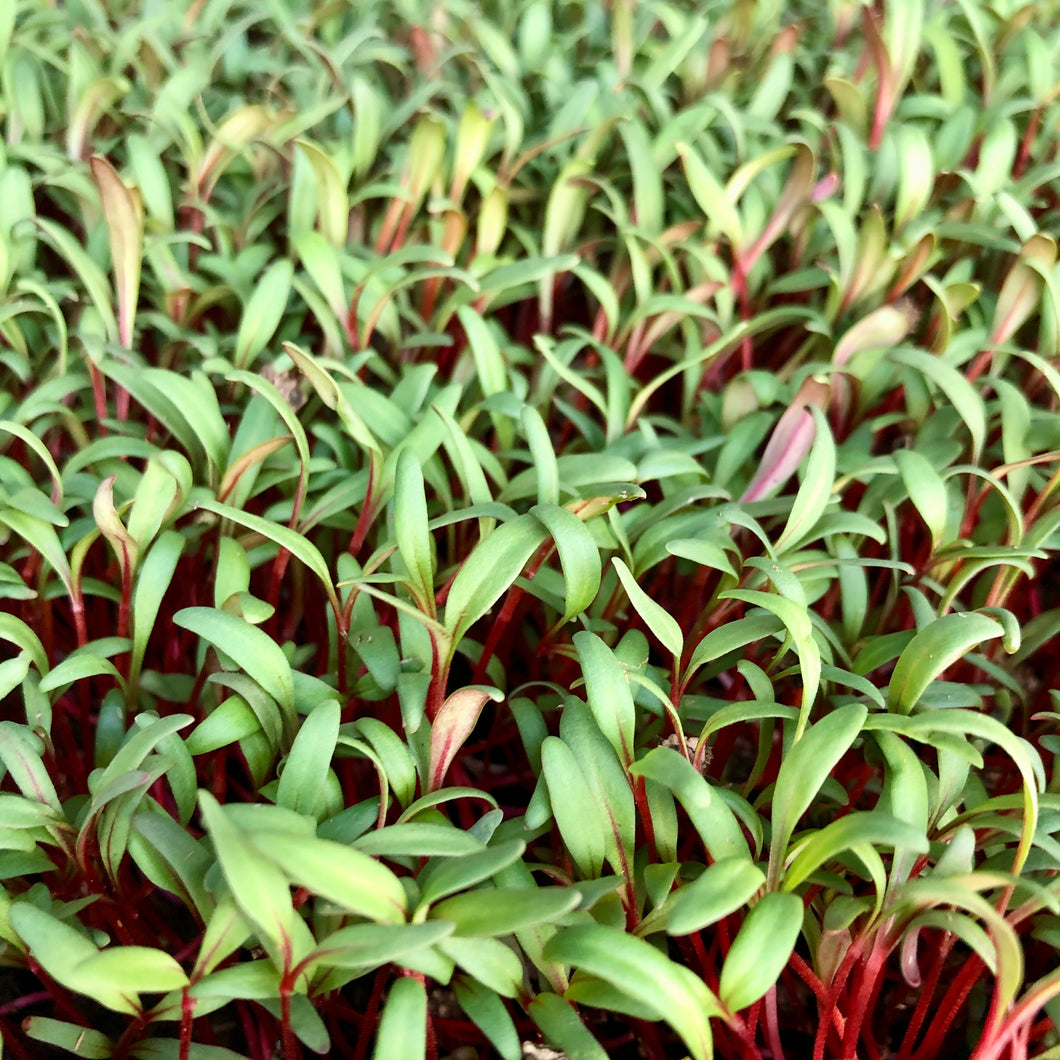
column 290, row 1042
column 773, row 1024
column 187, row 1012
column 927, row 992
column 951, row 1004
column 868, row 986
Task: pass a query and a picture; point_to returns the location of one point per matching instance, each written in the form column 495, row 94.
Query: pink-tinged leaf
column 20, row 753
column 797, row 192
column 112, row 528
column 884, row 327
column 791, row 441
column 453, row 724
column 1022, row 289
column 123, row 209
column 96, row 97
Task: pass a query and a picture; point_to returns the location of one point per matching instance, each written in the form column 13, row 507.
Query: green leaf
column 13, row 672
column 608, row 782
column 490, row 371
column 368, row 946
column 488, row 1013
column 932, row 651
column 76, row 668
column 710, row 815
column 169, row 1049
column 445, row 877
column 926, row 490
column 847, row 833
column 71, row 1037
column 489, row 572
column 579, row 817
column 732, row 635
column 414, row 838
column 803, row 770
column 333, row 207
column 258, row 886
column 16, row 632
column 560, row 1024
column 171, row 858
column 226, row 930
column 299, row 547
column 815, row 492
column 645, row 974
column 958, row 391
column 156, row 497
column 152, row 580
column 263, row 311
column 60, row 949
column 761, row 950
column 150, row 732
column 711, row 197
column 28, row 438
column 658, row 620
column 393, row 754
column 488, row 960
column 20, row 751
column 410, row 529
column 303, row 780
column 796, row 618
column 349, row 878
column 608, row 692
column 134, row 969
column 503, row 911
column 253, row 650
column 578, row 556
column 226, row 724
column 723, row 888
column 1019, row 750
column 403, row 1028
column 41, row 537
